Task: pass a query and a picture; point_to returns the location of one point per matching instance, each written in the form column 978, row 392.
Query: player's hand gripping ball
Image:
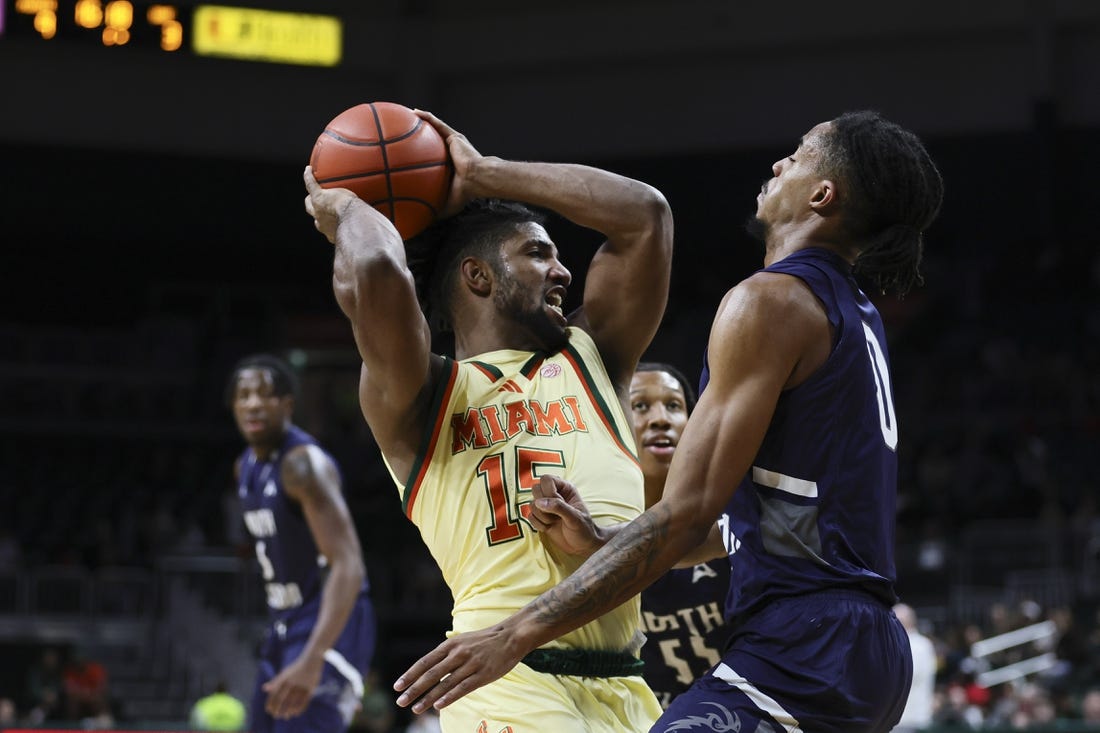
column 390, row 158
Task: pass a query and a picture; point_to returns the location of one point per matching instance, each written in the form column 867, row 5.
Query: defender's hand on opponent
column 457, row 667
column 559, row 514
column 468, row 661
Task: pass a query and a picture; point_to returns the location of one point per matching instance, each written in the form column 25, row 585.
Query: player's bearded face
column 527, row 306
column 757, row 228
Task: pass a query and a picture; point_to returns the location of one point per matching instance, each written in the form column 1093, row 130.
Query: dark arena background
column 153, row 232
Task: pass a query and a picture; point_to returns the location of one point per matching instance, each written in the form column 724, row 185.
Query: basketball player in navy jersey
column 322, row 635
column 682, row 610
column 791, row 448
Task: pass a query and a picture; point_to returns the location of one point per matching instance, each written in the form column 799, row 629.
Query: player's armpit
column 710, row 548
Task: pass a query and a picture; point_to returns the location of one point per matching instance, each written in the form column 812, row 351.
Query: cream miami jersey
column 502, row 420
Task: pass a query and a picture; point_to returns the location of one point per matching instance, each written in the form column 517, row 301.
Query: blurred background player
column 682, row 612
column 533, row 391
column 322, row 635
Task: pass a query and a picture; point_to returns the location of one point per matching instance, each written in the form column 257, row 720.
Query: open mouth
column 554, row 300
column 662, row 446
column 253, row 424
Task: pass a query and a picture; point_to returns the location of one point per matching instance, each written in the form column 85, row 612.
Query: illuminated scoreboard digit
column 238, row 33
column 112, row 23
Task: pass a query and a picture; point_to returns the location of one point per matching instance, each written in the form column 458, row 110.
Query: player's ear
column 476, row 276
column 824, row 197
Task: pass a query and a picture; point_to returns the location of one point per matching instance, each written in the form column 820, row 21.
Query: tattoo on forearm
column 616, row 572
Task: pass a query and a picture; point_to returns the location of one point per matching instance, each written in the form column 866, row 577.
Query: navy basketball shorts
column 830, row 662
column 341, row 688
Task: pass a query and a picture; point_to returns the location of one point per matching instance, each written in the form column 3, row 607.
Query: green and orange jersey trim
column 604, row 411
column 490, row 371
column 441, row 397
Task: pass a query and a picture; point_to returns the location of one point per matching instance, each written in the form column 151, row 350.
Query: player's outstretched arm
column 750, row 363
column 627, row 283
column 311, row 479
column 376, row 291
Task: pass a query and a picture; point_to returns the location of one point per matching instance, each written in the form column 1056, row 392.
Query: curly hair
column 477, row 231
column 283, row 378
column 894, row 194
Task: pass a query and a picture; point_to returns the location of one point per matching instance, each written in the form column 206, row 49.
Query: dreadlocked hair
column 894, row 194
column 283, row 379
column 476, row 231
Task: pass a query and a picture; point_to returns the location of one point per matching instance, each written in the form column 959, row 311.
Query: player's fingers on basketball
column 443, row 128
column 311, row 183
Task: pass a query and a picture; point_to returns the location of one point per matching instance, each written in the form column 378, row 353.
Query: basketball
column 390, row 158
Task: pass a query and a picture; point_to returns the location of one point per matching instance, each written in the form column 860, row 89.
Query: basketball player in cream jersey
column 532, row 392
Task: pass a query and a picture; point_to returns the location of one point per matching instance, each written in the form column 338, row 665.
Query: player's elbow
column 654, row 207
column 655, row 218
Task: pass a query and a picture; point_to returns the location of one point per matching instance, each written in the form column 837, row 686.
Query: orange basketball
column 390, row 158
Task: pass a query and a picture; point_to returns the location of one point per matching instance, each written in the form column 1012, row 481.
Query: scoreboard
column 247, row 34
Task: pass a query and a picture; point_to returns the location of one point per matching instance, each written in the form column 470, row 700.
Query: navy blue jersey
column 816, row 510
column 289, row 559
column 684, row 626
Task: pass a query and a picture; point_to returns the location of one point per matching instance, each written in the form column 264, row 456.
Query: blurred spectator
column 85, row 682
column 218, row 711
column 918, row 707
column 1033, row 708
column 1090, row 706
column 377, row 709
column 1072, row 649
column 45, row 687
column 8, row 714
column 953, row 708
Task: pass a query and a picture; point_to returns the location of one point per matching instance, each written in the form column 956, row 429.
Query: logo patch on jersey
column 270, row 489
column 549, row 371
